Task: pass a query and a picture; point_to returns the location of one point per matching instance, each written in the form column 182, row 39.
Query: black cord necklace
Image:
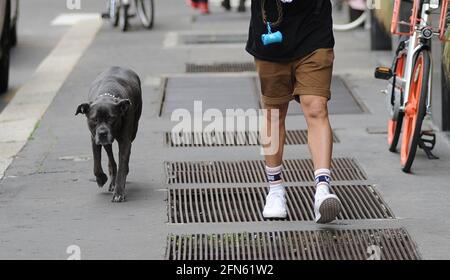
column 264, row 14
column 276, row 37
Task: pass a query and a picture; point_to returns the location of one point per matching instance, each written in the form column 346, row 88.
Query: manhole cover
column 233, row 138
column 364, row 244
column 342, row 100
column 218, row 92
column 245, row 204
column 220, row 67
column 253, row 171
column 201, row 39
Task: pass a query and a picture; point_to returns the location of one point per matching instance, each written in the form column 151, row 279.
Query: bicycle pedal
column 383, row 73
column 427, row 143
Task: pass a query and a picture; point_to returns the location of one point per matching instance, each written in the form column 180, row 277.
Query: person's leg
column 276, row 87
column 275, row 116
column 226, row 4
column 273, row 138
column 320, row 141
column 320, row 137
column 313, row 75
column 241, row 7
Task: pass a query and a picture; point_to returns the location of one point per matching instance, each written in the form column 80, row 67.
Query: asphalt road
column 37, row 37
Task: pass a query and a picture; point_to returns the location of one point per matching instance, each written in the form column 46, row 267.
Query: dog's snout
column 103, row 134
column 102, row 131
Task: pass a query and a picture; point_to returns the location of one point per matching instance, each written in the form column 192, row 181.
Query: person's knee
column 315, row 108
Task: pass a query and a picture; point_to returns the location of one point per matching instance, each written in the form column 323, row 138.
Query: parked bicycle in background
column 408, row 94
column 118, row 12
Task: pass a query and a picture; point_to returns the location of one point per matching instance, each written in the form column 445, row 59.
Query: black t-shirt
column 307, row 26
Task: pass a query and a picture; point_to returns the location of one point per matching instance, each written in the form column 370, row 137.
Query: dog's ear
column 124, row 105
column 83, row 109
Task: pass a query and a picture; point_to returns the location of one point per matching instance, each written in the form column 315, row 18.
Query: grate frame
column 230, row 139
column 221, row 67
column 253, row 171
column 246, row 204
column 393, row 244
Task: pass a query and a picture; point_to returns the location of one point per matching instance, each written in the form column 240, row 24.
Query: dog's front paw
column 117, row 198
column 112, row 186
column 101, row 180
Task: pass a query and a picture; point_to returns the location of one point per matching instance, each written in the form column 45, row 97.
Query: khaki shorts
column 283, row 82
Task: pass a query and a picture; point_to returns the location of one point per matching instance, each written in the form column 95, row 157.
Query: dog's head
column 104, row 118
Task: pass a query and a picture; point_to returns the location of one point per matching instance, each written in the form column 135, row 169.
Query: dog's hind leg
column 100, row 176
column 112, row 167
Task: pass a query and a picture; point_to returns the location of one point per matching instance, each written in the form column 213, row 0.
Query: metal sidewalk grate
column 245, row 204
column 193, row 39
column 384, row 244
column 233, row 138
column 220, row 68
column 253, row 171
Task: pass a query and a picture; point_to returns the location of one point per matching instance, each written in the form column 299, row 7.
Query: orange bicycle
column 409, row 90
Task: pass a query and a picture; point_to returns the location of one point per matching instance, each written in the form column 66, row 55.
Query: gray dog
column 113, row 112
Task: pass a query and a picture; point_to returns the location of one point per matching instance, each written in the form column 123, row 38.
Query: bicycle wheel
column 415, row 110
column 396, row 120
column 123, row 17
column 146, row 12
column 347, row 18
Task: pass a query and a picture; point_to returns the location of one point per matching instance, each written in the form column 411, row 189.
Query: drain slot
column 235, row 138
column 391, row 244
column 253, row 171
column 220, row 68
column 245, row 204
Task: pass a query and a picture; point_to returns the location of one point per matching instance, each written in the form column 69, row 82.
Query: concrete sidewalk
column 203, row 202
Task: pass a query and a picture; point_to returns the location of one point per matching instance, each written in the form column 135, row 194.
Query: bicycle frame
column 414, row 45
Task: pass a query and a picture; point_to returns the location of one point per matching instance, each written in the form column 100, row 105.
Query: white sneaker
column 326, row 207
column 275, row 205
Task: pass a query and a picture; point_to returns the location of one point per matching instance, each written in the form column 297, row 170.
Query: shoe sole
column 281, row 216
column 329, row 210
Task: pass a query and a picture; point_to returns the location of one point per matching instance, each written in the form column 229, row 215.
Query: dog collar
column 108, row 94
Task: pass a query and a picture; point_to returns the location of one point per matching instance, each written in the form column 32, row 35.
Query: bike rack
column 443, row 24
column 398, row 22
column 414, row 17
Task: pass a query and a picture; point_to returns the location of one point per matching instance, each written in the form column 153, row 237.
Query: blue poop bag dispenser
column 271, row 38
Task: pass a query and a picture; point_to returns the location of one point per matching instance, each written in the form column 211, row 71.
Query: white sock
column 274, row 178
column 323, row 180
